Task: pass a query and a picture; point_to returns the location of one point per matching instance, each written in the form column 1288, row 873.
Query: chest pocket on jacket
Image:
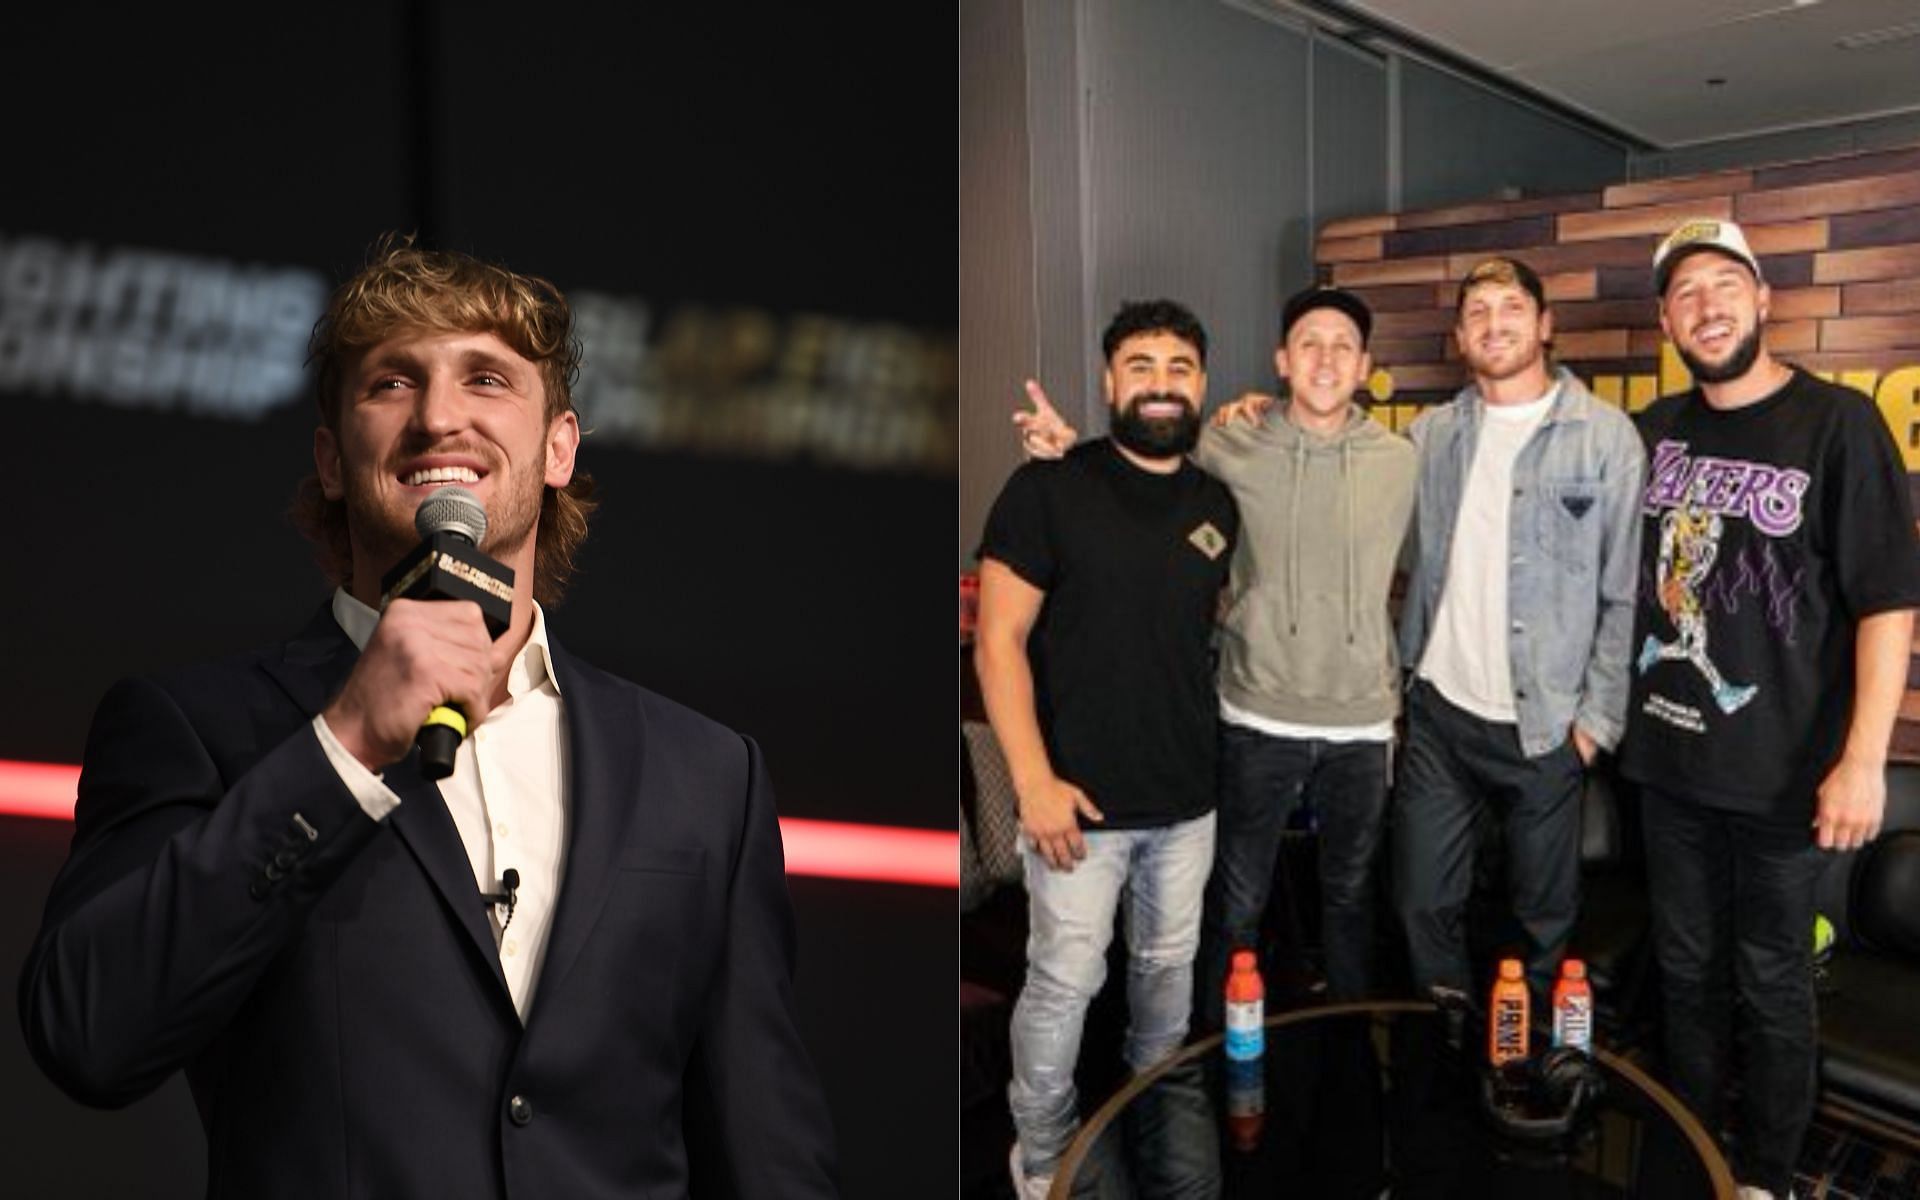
column 665, row 860
column 1569, row 517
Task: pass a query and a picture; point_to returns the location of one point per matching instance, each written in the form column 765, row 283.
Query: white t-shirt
column 1466, row 658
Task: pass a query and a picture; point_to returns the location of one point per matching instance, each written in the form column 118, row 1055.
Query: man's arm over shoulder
column 1228, row 452
column 180, row 889
column 1602, row 712
column 756, row 1121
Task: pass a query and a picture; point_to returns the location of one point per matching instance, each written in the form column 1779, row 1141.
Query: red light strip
column 825, row 849
column 38, row 790
column 878, row 853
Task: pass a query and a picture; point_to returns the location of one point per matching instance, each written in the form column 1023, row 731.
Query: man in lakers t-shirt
column 1779, row 572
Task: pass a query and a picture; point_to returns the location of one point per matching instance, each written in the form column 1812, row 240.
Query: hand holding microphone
column 433, row 649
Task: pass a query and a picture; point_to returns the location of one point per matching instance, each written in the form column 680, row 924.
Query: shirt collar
column 530, row 668
column 1530, row 410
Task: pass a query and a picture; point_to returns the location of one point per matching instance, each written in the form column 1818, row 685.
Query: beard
column 384, row 529
column 1156, row 437
column 1745, row 353
column 1488, row 368
column 383, row 535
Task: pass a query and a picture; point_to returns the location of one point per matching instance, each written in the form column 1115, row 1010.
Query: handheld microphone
column 448, row 566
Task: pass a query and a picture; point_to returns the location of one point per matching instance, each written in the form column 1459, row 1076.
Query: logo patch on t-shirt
column 1577, row 505
column 1207, row 539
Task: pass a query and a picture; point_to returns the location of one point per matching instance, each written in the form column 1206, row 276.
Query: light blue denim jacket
column 1574, row 554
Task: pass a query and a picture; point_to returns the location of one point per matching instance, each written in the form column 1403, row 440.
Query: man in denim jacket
column 1516, row 623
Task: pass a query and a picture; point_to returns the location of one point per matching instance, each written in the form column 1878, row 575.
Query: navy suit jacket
column 331, row 987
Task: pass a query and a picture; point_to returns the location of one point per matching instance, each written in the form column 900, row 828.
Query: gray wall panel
column 997, row 326
column 1196, row 124
column 1880, row 133
column 1057, row 167
column 1462, row 142
column 1349, row 133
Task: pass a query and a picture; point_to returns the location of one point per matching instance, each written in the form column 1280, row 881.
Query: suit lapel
column 425, row 825
column 605, row 743
column 312, row 668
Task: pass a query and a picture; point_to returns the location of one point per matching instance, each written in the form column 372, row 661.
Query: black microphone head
column 452, row 510
column 511, row 878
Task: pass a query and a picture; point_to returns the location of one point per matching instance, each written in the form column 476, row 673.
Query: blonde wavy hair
column 405, row 287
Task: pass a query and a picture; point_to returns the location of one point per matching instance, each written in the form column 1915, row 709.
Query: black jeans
column 1454, row 763
column 1733, row 905
column 1263, row 779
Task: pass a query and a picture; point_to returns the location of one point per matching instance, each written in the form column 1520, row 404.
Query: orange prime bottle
column 1507, row 1019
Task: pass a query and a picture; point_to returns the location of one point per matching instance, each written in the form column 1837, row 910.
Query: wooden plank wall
column 1838, row 240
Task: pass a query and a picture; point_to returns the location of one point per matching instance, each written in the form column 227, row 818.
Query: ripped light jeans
column 1163, row 872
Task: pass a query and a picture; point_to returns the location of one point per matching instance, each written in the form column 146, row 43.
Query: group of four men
column 1729, row 606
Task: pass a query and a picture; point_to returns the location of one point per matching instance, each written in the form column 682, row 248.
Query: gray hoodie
column 1307, row 639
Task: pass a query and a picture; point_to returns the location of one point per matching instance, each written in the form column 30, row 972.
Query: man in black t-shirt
column 1099, row 578
column 1778, row 578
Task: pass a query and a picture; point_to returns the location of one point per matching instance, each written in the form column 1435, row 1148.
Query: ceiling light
column 1870, row 38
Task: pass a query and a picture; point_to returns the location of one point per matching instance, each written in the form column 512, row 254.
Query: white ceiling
column 1643, row 66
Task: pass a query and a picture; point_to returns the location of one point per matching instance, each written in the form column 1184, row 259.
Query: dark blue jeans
column 1733, row 904
column 1456, row 762
column 1263, row 780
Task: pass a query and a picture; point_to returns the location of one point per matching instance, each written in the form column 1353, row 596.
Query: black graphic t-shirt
column 1769, row 532
column 1132, row 564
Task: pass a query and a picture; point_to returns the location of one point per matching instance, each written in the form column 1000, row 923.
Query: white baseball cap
column 1701, row 233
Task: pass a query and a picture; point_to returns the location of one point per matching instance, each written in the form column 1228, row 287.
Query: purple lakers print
column 1695, row 497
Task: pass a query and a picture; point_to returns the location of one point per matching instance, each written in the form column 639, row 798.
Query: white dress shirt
column 507, row 795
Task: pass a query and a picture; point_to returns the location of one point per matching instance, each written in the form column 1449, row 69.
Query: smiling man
column 563, row 970
column 1099, row 578
column 1772, row 655
column 1518, row 611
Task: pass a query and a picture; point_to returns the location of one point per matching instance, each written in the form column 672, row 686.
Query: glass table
column 1389, row 1100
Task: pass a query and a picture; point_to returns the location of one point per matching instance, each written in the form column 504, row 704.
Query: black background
column 792, row 160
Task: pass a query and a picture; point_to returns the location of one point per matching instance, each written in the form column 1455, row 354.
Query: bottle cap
column 1510, row 968
column 1573, row 968
column 1243, row 960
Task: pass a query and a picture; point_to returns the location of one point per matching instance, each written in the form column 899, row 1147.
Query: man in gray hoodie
column 1308, row 672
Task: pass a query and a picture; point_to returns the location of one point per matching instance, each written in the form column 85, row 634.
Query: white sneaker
column 1025, row 1186
column 1749, row 1192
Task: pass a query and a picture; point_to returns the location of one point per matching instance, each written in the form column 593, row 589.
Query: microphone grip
column 439, row 739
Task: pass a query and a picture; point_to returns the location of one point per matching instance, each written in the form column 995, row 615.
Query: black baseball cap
column 1307, row 299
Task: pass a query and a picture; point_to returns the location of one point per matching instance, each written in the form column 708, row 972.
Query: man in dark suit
column 266, row 891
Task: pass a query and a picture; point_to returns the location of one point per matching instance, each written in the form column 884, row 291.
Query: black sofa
column 1869, row 990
